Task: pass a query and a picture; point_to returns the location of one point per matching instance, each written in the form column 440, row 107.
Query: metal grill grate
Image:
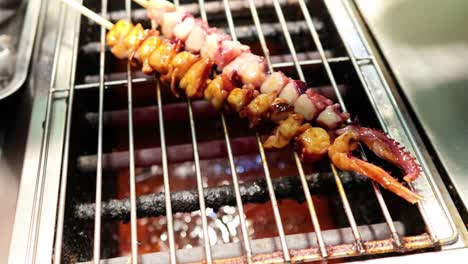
column 371, row 78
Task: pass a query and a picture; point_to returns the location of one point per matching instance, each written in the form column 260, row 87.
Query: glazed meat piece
column 195, row 80
column 258, row 108
column 313, row 143
column 217, row 91
column 239, row 98
column 149, row 45
column 286, row 131
column 134, row 38
column 161, row 58
column 178, row 67
column 115, row 38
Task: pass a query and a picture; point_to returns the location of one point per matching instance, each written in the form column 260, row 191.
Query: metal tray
column 21, row 30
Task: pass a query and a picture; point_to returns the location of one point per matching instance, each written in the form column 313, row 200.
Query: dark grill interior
column 152, row 233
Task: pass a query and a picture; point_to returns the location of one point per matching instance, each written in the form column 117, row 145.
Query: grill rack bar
column 133, row 215
column 167, row 189
column 66, row 151
column 97, row 217
column 206, row 238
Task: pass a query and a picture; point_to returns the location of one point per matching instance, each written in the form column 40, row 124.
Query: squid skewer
column 308, row 104
column 237, row 88
column 245, row 87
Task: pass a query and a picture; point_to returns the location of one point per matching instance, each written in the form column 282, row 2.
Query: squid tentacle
column 340, row 153
column 387, row 149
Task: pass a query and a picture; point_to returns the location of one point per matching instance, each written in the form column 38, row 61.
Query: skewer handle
column 90, row 14
column 142, row 3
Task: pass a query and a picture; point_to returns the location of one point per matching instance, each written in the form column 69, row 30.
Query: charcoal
column 215, row 197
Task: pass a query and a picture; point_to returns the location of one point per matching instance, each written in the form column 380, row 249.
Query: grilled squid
column 313, row 144
column 245, row 87
column 287, row 130
column 180, row 64
column 387, row 149
column 340, row 153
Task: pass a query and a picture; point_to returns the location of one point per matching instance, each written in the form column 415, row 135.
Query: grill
column 119, row 152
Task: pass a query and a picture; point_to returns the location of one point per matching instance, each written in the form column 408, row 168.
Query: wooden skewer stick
column 142, row 3
column 90, row 14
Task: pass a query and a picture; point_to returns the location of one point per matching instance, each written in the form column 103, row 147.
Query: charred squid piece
column 196, row 38
column 292, row 91
column 183, row 29
column 134, row 38
column 258, row 108
column 157, row 8
column 228, row 51
column 285, row 131
column 239, row 98
column 149, row 45
column 310, row 104
column 169, row 21
column 340, row 153
column 387, row 149
column 280, row 109
column 212, row 45
column 115, row 38
column 332, row 117
column 178, row 67
column 161, row 58
column 274, row 83
column 248, row 68
column 313, row 143
column 195, row 80
column 218, row 90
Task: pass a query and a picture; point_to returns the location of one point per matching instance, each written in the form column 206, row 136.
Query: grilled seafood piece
column 313, row 143
column 115, row 38
column 285, row 131
column 180, row 64
column 195, row 80
column 387, row 149
column 340, row 153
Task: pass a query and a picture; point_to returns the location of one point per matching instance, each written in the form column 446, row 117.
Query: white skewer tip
column 90, row 14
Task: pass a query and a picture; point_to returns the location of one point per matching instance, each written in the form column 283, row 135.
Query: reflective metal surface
column 426, row 46
column 25, row 20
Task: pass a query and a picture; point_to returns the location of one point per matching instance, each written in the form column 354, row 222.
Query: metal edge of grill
column 46, row 166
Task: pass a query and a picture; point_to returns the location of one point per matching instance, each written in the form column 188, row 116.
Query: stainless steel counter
column 426, row 45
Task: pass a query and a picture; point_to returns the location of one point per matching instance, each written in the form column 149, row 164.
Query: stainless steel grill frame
column 45, row 175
